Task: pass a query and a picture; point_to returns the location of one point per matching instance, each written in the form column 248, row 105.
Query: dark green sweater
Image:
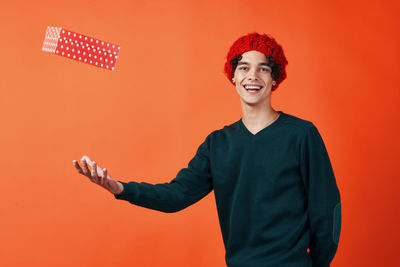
column 275, row 191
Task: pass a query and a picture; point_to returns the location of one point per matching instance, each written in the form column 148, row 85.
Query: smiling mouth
column 252, row 88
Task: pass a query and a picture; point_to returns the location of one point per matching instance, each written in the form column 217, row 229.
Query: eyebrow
column 246, row 63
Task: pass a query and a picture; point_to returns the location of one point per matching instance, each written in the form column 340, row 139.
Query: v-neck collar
column 248, row 133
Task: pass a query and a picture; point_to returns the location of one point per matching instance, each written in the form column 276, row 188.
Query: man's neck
column 256, row 118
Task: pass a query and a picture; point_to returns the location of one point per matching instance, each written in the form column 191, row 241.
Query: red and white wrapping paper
column 80, row 47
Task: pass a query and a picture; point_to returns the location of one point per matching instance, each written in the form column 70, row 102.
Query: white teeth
column 251, row 87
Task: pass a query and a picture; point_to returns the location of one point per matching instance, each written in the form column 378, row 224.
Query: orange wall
column 145, row 120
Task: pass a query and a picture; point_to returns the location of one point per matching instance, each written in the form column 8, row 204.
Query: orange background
column 145, row 120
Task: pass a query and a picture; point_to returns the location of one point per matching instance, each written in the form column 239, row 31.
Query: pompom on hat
column 261, row 43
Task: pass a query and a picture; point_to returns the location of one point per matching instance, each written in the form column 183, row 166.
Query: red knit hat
column 261, row 43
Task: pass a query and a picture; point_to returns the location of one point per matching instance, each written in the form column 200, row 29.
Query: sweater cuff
column 129, row 193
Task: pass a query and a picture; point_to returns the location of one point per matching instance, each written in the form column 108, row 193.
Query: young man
column 274, row 186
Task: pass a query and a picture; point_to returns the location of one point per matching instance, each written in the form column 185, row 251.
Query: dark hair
column 275, row 68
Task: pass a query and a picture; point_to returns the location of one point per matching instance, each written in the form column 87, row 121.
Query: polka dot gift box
column 80, row 47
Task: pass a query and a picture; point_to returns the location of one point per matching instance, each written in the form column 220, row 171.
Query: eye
column 265, row 70
column 243, row 68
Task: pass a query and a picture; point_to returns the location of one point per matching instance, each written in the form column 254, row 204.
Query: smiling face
column 253, row 79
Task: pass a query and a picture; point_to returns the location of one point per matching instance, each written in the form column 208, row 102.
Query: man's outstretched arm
column 190, row 185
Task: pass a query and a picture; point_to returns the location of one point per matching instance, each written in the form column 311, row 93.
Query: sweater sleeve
column 324, row 208
column 189, row 186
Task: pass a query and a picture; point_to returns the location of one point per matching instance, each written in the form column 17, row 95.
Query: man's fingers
column 94, row 173
column 85, row 168
column 87, row 159
column 97, row 175
column 77, row 167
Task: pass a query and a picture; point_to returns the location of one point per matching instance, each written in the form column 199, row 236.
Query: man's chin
column 252, row 103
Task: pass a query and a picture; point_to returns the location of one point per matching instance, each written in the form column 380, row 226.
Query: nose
column 252, row 75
